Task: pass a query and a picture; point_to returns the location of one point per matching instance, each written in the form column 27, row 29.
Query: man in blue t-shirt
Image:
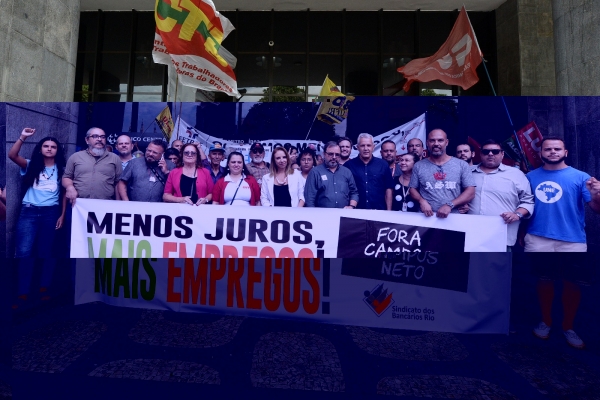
column 557, row 226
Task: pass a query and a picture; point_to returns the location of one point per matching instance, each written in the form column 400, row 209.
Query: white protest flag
column 402, row 134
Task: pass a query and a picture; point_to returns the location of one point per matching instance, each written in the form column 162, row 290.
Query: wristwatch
column 518, row 214
column 450, row 204
column 353, row 206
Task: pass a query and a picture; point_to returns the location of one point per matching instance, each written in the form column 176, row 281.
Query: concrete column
column 38, row 43
column 576, row 36
column 524, row 32
column 58, row 120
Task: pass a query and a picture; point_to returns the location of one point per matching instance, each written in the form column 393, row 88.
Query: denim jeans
column 36, row 228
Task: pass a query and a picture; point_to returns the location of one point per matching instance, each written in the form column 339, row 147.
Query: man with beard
column 501, row 191
column 345, row 149
column 441, row 182
column 92, row 173
column 146, row 177
column 388, row 154
column 415, row 146
column 258, row 167
column 124, row 147
column 371, row 174
column 330, row 185
column 465, row 152
column 560, row 193
column 557, row 232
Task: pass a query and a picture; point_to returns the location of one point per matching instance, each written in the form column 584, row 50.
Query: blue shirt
column 560, row 198
column 372, row 181
column 328, row 189
column 46, row 191
column 206, row 163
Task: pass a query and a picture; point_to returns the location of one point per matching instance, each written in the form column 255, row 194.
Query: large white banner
column 471, row 297
column 400, row 135
column 115, row 229
column 188, row 134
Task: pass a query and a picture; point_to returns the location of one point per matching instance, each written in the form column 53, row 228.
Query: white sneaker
column 573, row 340
column 542, row 331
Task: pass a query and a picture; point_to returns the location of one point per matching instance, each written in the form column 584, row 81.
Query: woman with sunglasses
column 282, row 186
column 238, row 187
column 402, row 201
column 190, row 183
column 43, row 208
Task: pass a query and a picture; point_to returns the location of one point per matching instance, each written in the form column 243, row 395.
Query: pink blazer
column 204, row 183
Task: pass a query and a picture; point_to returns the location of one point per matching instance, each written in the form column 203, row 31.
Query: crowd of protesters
column 550, row 200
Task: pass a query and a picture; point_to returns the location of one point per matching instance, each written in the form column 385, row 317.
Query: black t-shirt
column 282, row 196
column 187, row 186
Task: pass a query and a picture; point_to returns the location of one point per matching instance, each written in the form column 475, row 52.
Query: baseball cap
column 216, row 146
column 257, row 146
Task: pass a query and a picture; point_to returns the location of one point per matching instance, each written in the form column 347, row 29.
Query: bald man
column 441, row 182
column 124, row 147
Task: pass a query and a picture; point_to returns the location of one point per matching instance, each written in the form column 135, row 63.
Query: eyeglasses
column 257, row 151
column 96, row 137
column 495, row 152
column 333, row 154
column 189, row 153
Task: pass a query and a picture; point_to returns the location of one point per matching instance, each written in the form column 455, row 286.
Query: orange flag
column 454, row 63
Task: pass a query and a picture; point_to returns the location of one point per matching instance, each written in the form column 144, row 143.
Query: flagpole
column 312, row 123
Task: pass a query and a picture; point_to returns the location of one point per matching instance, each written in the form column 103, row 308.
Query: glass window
column 289, row 70
column 362, row 31
column 390, row 76
column 290, row 31
column 252, row 72
column 321, row 66
column 435, row 26
column 147, row 98
column 325, row 31
column 88, row 31
column 146, row 26
column 398, row 32
column 117, row 31
column 148, row 76
column 362, row 75
column 113, row 73
column 256, row 30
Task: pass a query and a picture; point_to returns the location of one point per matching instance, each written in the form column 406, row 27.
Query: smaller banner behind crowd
column 473, row 297
column 105, row 228
column 400, row 135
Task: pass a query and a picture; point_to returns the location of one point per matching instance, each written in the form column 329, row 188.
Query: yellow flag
column 165, row 122
column 334, row 103
column 330, row 89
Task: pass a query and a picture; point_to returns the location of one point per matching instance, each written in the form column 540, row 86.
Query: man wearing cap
column 216, row 152
column 258, row 167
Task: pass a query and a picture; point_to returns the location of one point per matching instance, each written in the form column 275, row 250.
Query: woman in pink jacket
column 191, row 183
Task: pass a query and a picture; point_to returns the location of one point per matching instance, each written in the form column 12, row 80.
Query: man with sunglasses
column 501, row 190
column 441, row 183
column 258, row 167
column 92, row 173
column 330, row 185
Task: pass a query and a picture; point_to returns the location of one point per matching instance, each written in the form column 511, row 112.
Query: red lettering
column 311, row 307
column 290, row 304
column 172, row 273
column 230, row 252
column 169, row 247
column 306, row 253
column 267, row 252
column 195, row 283
column 216, row 273
column 234, row 285
column 248, row 251
column 253, row 278
column 286, row 252
column 212, row 251
column 270, row 277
